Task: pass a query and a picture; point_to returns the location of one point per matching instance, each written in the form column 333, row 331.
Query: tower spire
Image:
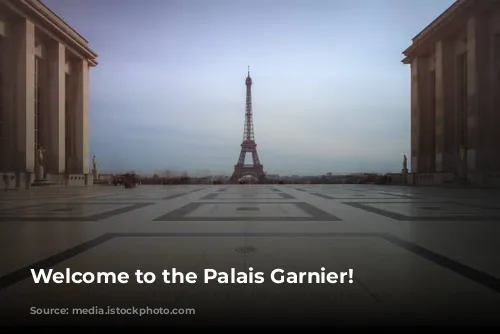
column 248, row 145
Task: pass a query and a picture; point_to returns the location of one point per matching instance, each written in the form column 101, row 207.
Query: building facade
column 44, row 97
column 455, row 94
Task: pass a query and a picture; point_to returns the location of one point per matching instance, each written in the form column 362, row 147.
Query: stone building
column 455, row 95
column 44, row 97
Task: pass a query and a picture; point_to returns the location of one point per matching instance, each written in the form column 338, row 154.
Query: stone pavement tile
column 240, row 196
column 201, row 211
column 386, row 278
column 362, row 196
column 412, row 249
column 430, row 211
column 70, row 211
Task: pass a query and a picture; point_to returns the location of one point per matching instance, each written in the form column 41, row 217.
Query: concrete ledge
column 8, row 180
column 431, row 179
column 16, row 180
column 474, row 180
column 13, row 180
column 75, row 180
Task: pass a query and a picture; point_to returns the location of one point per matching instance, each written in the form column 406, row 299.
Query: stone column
column 430, row 116
column 471, row 95
column 486, row 123
column 477, row 96
column 23, row 35
column 6, row 92
column 56, row 105
column 415, row 117
column 445, row 86
column 69, row 117
column 81, row 116
column 43, row 107
column 494, row 115
column 440, row 106
column 420, row 115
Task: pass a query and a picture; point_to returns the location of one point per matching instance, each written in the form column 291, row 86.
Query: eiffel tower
column 248, row 145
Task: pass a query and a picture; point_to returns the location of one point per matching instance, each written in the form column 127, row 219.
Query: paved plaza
column 418, row 255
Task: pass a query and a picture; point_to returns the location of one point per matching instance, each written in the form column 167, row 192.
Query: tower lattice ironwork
column 255, row 169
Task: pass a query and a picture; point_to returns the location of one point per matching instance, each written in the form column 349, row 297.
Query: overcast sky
column 330, row 93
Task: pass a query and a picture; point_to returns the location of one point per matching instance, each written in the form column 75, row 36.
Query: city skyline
column 330, row 93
